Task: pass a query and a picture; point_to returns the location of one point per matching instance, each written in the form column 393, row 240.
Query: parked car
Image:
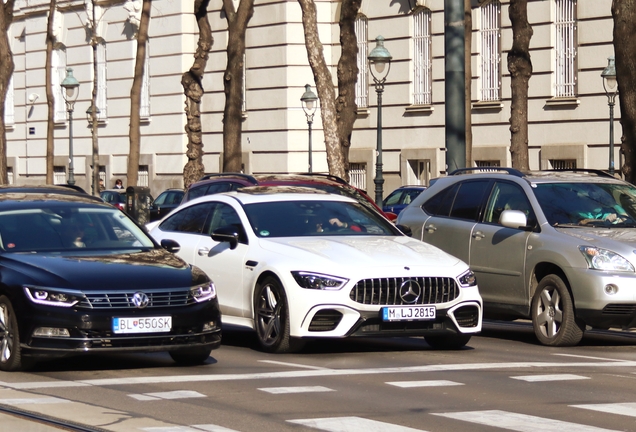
column 400, row 198
column 294, row 263
column 556, row 247
column 167, row 201
column 80, row 276
column 115, row 197
column 224, row 182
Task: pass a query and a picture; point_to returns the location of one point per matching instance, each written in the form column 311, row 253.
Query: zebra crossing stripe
column 554, row 377
column 626, row 409
column 284, row 390
column 519, row 422
column 352, row 424
column 28, row 401
column 429, row 383
column 178, row 394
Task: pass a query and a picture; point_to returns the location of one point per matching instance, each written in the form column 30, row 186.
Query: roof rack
column 329, row 176
column 247, row 177
column 598, row 172
column 489, row 169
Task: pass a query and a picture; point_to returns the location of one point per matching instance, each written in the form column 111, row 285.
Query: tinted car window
column 441, row 203
column 507, row 196
column 222, row 216
column 191, row 219
column 393, row 199
column 468, row 200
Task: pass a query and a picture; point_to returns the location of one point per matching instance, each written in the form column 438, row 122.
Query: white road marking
column 212, row 428
column 587, row 357
column 553, row 377
column 352, row 424
column 626, row 409
column 178, row 394
column 430, row 383
column 519, row 422
column 27, row 401
column 170, row 429
column 292, row 364
column 284, row 390
column 314, row 374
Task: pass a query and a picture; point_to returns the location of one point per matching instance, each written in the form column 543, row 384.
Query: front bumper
column 91, row 330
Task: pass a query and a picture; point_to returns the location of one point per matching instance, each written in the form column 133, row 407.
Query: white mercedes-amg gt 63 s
column 294, row 263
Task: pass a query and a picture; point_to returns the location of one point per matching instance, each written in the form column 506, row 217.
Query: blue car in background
column 400, row 198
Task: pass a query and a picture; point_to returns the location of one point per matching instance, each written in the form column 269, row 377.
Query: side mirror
column 170, row 245
column 515, row 219
column 405, row 230
column 227, row 234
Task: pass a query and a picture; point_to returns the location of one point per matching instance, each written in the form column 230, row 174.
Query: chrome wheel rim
column 6, row 345
column 549, row 313
column 269, row 316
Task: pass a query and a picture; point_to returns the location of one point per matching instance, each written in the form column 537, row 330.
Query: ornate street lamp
column 611, row 89
column 308, row 100
column 70, row 93
column 380, row 61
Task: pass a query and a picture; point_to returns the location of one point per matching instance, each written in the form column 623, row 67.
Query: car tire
column 271, row 316
column 191, row 356
column 10, row 351
column 448, row 342
column 553, row 316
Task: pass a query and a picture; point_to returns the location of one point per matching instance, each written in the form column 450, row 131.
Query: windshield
column 62, row 228
column 315, row 218
column 588, row 203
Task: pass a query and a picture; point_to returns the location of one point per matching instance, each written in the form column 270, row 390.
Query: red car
column 223, row 182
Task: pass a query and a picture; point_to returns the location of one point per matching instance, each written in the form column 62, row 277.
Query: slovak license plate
column 408, row 313
column 142, row 325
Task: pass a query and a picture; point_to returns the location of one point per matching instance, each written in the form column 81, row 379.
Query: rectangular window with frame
column 58, row 73
column 143, row 176
column 490, row 34
column 362, row 85
column 422, row 59
column 59, row 175
column 565, row 48
column 563, row 164
column 9, row 104
column 101, row 82
column 358, row 175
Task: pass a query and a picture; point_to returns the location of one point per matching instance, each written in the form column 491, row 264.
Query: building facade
column 567, row 110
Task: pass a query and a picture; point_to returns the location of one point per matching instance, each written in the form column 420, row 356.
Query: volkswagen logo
column 410, row 291
column 140, row 300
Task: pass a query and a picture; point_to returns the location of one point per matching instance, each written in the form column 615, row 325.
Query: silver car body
column 510, row 259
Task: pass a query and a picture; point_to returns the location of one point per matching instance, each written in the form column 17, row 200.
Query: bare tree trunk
column 520, row 67
column 135, row 96
column 50, row 98
column 468, row 71
column 324, row 86
column 6, row 70
column 237, row 21
column 347, row 77
column 193, row 90
column 624, row 14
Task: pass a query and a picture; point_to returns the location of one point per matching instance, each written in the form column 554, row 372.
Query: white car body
column 237, row 272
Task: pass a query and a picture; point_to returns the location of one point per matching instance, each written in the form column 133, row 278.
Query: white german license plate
column 408, row 313
column 142, row 325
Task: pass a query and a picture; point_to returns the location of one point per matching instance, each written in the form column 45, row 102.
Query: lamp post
column 379, row 59
column 70, row 93
column 611, row 89
column 308, row 100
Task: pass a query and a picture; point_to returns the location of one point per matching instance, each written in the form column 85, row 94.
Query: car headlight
column 53, row 296
column 603, row 259
column 467, row 279
column 204, row 292
column 318, row 281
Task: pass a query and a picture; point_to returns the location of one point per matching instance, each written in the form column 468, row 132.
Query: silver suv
column 557, row 247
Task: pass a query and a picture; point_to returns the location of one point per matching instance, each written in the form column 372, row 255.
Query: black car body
column 167, row 201
column 77, row 276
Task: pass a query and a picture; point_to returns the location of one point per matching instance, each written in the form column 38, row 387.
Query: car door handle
column 203, row 251
column 478, row 235
column 430, row 228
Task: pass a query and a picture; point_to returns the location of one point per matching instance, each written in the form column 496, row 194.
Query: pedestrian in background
column 119, row 184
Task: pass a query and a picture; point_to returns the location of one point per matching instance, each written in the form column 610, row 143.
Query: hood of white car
column 362, row 251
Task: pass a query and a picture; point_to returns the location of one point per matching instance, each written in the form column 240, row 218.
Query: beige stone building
column 568, row 108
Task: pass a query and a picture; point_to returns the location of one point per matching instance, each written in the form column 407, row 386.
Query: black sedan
column 78, row 276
